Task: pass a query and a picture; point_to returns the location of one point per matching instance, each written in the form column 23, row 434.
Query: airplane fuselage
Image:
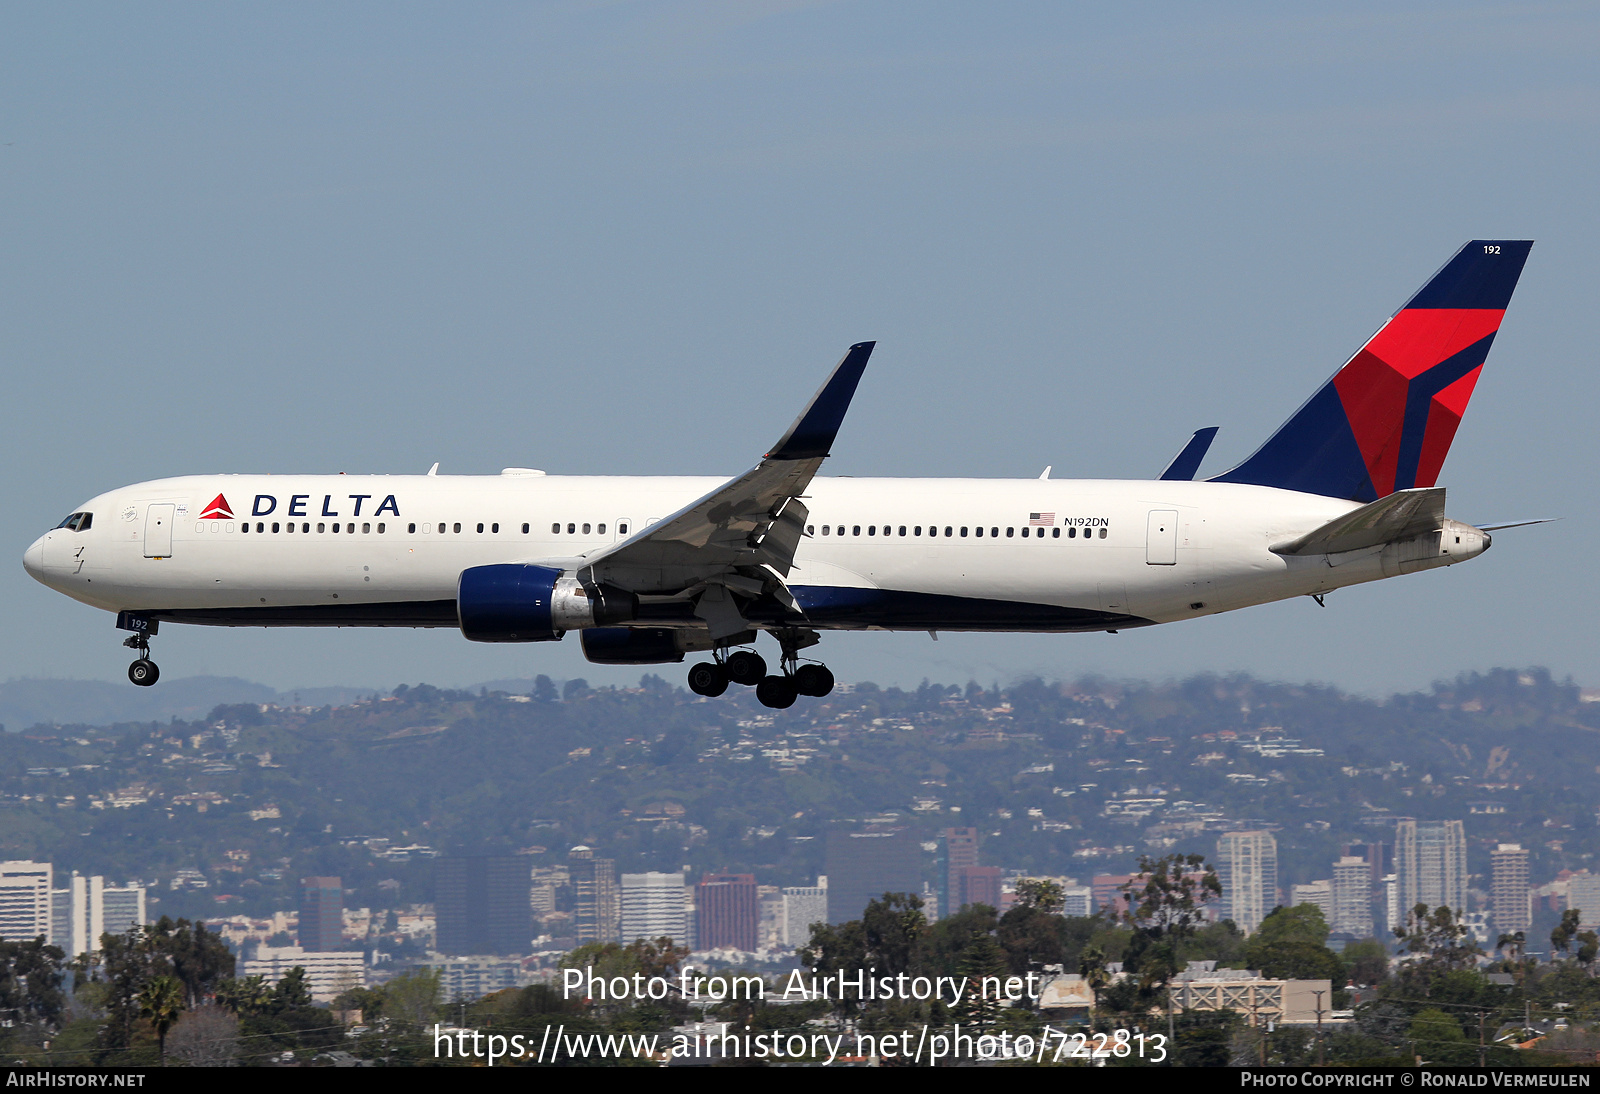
column 927, row 554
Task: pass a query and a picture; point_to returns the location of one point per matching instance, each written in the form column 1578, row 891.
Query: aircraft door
column 1161, row 538
column 158, row 531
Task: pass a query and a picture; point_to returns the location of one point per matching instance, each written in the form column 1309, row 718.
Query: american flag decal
column 1045, row 520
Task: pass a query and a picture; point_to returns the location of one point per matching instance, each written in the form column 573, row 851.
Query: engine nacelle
column 632, row 645
column 511, row 602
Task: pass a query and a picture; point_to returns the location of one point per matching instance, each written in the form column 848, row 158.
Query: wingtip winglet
column 813, row 432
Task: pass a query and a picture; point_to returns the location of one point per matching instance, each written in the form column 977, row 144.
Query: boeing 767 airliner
column 648, row 569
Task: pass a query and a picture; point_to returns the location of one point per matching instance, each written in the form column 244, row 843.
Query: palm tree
column 161, row 1001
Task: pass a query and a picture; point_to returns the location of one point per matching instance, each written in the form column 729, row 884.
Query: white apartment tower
column 804, row 905
column 1508, row 885
column 652, row 907
column 1352, row 897
column 1247, row 866
column 25, row 905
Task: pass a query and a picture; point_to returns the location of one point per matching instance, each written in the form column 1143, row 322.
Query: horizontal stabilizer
column 1186, row 463
column 1401, row 515
column 1498, row 525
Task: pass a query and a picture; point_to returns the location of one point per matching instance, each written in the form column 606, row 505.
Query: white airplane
column 651, row 568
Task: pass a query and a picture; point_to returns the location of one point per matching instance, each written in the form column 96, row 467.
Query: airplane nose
column 33, row 559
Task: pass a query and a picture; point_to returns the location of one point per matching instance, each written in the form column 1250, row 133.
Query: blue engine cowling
column 511, row 602
column 631, row 645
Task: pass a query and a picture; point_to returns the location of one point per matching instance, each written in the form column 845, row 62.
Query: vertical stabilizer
column 1386, row 419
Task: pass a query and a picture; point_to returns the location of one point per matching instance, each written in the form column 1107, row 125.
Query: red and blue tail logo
column 1386, row 419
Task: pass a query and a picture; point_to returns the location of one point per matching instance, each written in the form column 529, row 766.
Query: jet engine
column 511, row 602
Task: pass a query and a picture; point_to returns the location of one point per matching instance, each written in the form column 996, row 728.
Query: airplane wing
column 739, row 540
column 1401, row 515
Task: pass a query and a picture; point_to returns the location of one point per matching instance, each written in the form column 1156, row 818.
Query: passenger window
column 585, row 529
column 1055, row 533
column 622, row 529
column 351, row 528
column 480, row 528
column 442, row 527
column 524, row 529
column 1009, row 532
column 963, row 531
column 380, row 527
column 855, row 530
column 811, row 529
column 245, row 527
column 978, row 532
column 917, row 531
column 456, row 528
column 872, row 529
column 412, row 528
column 993, row 532
column 601, row 529
column 1102, row 533
column 274, row 527
column 366, row 529
column 572, row 529
column 902, row 529
column 555, row 529
column 825, row 529
column 322, row 528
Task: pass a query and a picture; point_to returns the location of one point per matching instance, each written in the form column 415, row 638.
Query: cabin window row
column 454, row 528
column 951, row 531
column 290, row 527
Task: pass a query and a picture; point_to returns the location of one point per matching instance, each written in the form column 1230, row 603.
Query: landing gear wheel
column 777, row 692
column 746, row 667
column 144, row 672
column 814, row 680
column 709, row 679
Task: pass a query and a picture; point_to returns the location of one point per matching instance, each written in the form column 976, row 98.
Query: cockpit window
column 77, row 522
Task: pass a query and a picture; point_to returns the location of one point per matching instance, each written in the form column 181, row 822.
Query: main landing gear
column 711, row 678
column 143, row 671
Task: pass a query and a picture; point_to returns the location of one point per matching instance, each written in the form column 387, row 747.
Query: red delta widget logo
column 218, row 509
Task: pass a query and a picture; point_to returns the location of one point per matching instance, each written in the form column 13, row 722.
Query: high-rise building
column 1352, row 897
column 862, row 866
column 804, row 905
column 959, row 851
column 481, row 904
column 652, row 907
column 726, row 913
column 1319, row 894
column 86, row 908
column 25, row 901
column 1508, row 888
column 1430, row 862
column 1583, row 893
column 321, row 914
column 596, row 907
column 979, row 885
column 1247, row 866
column 123, row 907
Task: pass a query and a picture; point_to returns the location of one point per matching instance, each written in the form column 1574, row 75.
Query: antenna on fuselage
column 434, row 470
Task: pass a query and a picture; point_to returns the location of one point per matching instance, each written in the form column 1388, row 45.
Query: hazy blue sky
column 630, row 238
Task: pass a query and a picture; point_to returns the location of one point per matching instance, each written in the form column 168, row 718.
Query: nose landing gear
column 143, row 671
